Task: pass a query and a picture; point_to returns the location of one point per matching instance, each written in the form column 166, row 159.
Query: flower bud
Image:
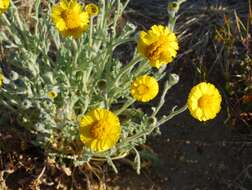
column 47, row 103
column 102, row 84
column 52, row 94
column 13, row 75
column 92, row 9
column 173, row 7
column 48, row 77
column 152, row 121
column 173, row 79
column 40, row 127
column 26, row 104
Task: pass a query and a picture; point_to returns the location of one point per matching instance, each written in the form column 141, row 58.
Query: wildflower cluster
column 73, row 95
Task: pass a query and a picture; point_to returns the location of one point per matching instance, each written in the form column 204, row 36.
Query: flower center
column 204, row 101
column 93, row 10
column 98, row 129
column 155, row 50
column 142, row 89
column 71, row 18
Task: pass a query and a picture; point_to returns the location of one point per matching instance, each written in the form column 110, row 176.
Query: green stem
column 162, row 100
column 91, row 32
column 172, row 14
column 151, row 127
column 128, row 67
column 171, row 115
column 125, row 106
column 118, row 12
column 103, row 14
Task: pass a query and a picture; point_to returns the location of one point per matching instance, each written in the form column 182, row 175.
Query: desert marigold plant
column 75, row 96
column 204, row 101
column 159, row 45
column 70, row 18
column 4, row 4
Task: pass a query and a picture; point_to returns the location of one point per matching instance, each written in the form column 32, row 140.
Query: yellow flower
column 159, row 45
column 69, row 18
column 92, row 9
column 204, row 101
column 99, row 129
column 144, row 88
column 1, row 79
column 52, row 94
column 4, row 4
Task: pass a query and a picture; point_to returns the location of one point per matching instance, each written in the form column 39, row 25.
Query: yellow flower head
column 69, row 18
column 204, row 101
column 92, row 9
column 99, row 129
column 159, row 45
column 4, row 4
column 52, row 94
column 1, row 79
column 144, row 88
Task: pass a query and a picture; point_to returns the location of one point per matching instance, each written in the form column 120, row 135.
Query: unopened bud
column 173, row 79
column 102, row 84
column 173, row 6
column 26, row 104
column 47, row 103
column 13, row 75
column 152, row 121
column 48, row 77
column 40, row 127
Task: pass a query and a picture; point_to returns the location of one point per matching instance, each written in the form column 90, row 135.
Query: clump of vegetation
column 62, row 83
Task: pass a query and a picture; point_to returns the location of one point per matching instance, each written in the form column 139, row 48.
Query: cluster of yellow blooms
column 100, row 128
